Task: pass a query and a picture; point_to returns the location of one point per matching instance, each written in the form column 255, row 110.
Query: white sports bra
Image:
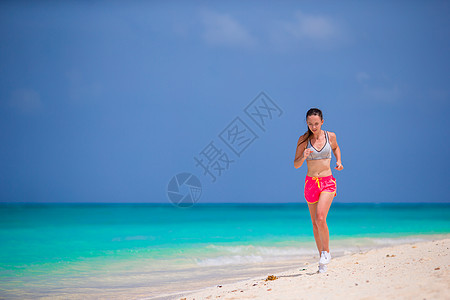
column 323, row 153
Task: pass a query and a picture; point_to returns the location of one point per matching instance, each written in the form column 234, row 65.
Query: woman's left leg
column 323, row 207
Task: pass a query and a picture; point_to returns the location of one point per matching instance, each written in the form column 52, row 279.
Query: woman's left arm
column 336, row 151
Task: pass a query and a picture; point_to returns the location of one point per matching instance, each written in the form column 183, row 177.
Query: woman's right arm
column 299, row 152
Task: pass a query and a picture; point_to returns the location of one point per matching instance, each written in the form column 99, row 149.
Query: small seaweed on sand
column 271, row 277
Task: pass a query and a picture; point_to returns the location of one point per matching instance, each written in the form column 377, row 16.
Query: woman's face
column 314, row 123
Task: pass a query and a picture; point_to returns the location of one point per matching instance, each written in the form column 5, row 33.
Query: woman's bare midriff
column 319, row 167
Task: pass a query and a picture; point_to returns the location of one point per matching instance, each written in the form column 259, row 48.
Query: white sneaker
column 325, row 257
column 322, row 268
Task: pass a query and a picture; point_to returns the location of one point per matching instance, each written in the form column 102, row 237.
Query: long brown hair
column 312, row 112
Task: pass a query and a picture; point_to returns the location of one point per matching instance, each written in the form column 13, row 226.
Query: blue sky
column 106, row 101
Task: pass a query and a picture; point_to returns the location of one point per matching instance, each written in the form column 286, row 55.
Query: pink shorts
column 316, row 185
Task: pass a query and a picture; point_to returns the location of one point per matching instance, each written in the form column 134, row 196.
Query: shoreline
column 401, row 271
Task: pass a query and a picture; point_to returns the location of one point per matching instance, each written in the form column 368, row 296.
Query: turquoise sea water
column 142, row 249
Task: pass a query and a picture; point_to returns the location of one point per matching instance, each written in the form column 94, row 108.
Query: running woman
column 315, row 147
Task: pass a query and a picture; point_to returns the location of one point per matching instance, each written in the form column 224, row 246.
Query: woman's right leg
column 312, row 211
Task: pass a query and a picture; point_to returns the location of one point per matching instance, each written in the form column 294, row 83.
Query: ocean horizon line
column 219, row 203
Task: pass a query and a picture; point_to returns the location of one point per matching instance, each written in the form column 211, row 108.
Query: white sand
column 417, row 271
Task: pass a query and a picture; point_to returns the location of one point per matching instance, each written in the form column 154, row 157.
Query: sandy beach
column 418, row 270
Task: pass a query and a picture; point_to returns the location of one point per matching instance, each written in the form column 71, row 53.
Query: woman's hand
column 306, row 153
column 339, row 166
